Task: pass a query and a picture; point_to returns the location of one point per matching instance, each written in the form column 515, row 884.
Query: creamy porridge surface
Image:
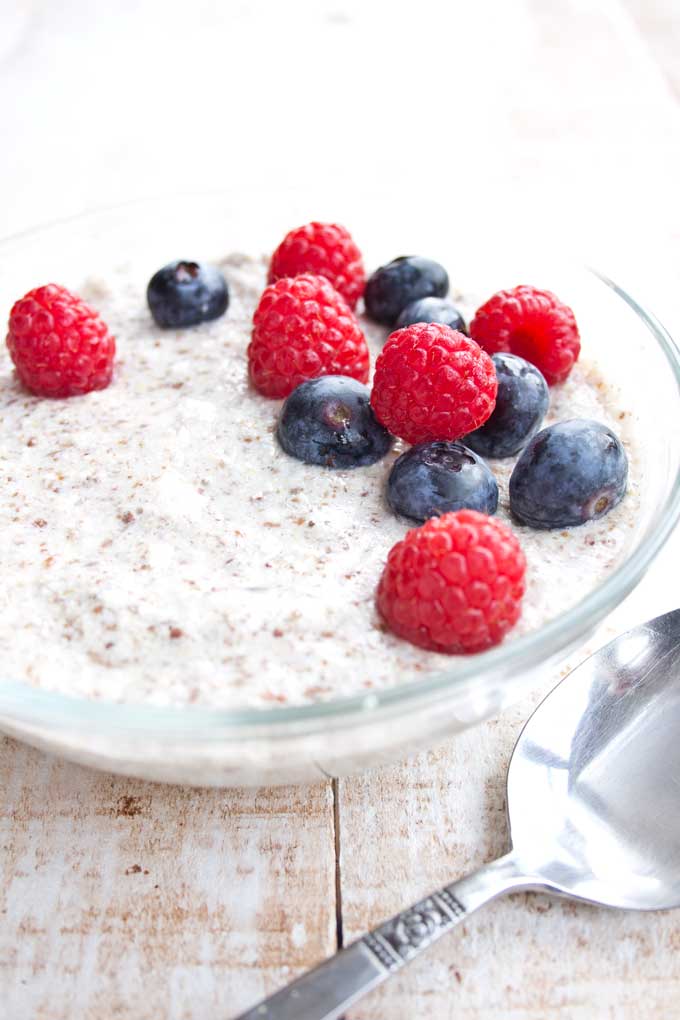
column 160, row 547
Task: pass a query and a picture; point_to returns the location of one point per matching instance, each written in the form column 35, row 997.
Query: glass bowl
column 301, row 744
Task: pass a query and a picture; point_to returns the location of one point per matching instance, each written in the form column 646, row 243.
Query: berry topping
column 329, row 421
column 432, row 309
column 455, row 584
column 521, row 403
column 401, row 282
column 435, row 478
column 186, row 293
column 432, row 383
column 533, row 324
column 302, row 329
column 59, row 345
column 324, row 249
column 570, row 473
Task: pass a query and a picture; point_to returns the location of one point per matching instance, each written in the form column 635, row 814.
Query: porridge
column 161, row 547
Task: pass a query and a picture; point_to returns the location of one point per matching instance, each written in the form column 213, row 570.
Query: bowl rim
column 37, row 707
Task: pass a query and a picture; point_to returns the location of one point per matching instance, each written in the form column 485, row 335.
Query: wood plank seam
column 339, row 934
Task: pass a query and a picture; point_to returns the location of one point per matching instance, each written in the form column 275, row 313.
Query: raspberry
column 324, row 249
column 303, row 329
column 533, row 324
column 455, row 584
column 432, row 382
column 59, row 345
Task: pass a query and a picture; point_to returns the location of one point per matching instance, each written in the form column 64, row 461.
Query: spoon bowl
column 594, row 780
column 594, row 811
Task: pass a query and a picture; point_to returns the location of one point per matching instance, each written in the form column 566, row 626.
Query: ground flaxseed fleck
column 171, row 423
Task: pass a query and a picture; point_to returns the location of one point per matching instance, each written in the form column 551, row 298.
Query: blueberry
column 431, row 309
column 329, row 421
column 185, row 293
column 569, row 473
column 400, row 282
column 521, row 404
column 433, row 478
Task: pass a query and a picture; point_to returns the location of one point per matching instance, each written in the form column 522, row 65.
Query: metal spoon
column 594, row 808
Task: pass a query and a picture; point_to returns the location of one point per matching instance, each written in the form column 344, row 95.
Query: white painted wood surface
column 120, row 899
column 126, row 899
column 659, row 25
column 526, row 957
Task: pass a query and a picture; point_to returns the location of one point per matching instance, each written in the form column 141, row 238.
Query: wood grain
column 125, row 899
column 527, row 957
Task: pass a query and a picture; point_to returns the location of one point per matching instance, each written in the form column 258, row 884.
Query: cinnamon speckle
column 128, row 806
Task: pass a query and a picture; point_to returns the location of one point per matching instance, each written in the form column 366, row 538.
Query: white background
column 550, row 119
column 448, row 107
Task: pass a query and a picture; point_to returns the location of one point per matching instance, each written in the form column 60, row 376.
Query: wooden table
column 124, row 900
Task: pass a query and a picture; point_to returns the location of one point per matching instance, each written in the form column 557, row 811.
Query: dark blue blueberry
column 433, row 478
column 329, row 421
column 569, row 473
column 400, row 282
column 521, row 404
column 431, row 309
column 186, row 293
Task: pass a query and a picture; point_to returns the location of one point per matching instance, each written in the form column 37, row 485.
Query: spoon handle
column 325, row 992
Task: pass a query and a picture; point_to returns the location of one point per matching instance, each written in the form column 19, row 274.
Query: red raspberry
column 455, row 584
column 59, row 345
column 432, row 382
column 533, row 324
column 303, row 329
column 325, row 249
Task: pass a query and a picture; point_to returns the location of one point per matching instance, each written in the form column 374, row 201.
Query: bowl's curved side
column 294, row 744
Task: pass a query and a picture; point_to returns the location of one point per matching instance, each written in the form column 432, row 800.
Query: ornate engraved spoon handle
column 327, row 991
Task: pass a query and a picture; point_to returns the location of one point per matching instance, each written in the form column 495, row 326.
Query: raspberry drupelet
column 324, row 249
column 455, row 584
column 432, row 382
column 302, row 329
column 59, row 345
column 532, row 323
